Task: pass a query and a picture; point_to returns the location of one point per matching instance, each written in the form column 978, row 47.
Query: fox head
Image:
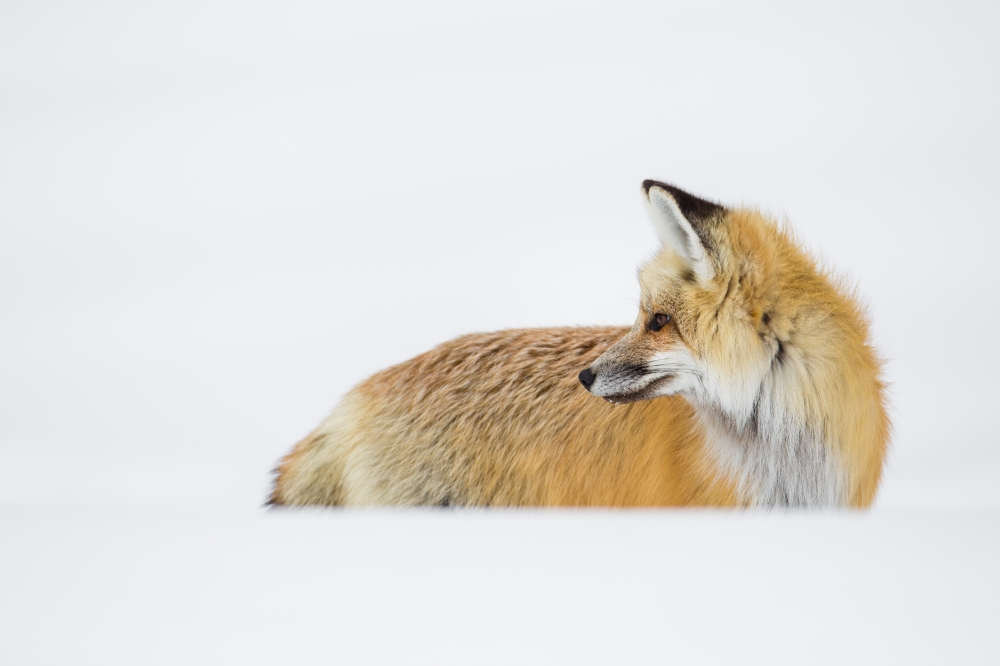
column 709, row 324
column 766, row 345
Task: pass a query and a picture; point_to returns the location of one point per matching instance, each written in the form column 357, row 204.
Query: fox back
column 747, row 379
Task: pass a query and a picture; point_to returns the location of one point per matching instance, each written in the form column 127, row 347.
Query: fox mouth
column 647, row 392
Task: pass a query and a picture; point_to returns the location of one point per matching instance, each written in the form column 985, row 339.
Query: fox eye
column 659, row 321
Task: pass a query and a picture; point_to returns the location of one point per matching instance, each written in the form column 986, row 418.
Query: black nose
column 587, row 378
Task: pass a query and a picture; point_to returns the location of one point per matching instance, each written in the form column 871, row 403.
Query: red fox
column 747, row 379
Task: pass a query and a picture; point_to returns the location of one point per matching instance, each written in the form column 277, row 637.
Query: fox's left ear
column 680, row 219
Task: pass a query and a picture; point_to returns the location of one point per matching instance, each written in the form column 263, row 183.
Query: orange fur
column 500, row 419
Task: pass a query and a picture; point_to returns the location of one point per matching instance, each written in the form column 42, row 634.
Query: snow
column 152, row 587
column 216, row 217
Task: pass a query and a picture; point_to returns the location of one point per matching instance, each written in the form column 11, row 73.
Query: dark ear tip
column 647, row 185
column 689, row 204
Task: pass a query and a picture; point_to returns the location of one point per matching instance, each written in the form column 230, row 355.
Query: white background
column 216, row 218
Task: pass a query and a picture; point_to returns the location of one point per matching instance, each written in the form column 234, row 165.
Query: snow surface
column 166, row 587
column 216, row 217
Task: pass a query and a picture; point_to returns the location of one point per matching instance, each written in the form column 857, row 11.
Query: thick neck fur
column 803, row 424
column 774, row 455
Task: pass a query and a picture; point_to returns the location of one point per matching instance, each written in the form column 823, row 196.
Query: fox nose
column 587, row 378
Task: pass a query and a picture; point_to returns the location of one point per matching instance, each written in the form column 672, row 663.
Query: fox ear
column 677, row 217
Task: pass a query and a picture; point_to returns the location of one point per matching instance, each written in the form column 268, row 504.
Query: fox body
column 747, row 379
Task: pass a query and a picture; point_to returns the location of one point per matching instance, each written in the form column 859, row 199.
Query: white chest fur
column 774, row 462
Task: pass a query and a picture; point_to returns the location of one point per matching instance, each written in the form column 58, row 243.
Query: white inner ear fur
column 677, row 234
